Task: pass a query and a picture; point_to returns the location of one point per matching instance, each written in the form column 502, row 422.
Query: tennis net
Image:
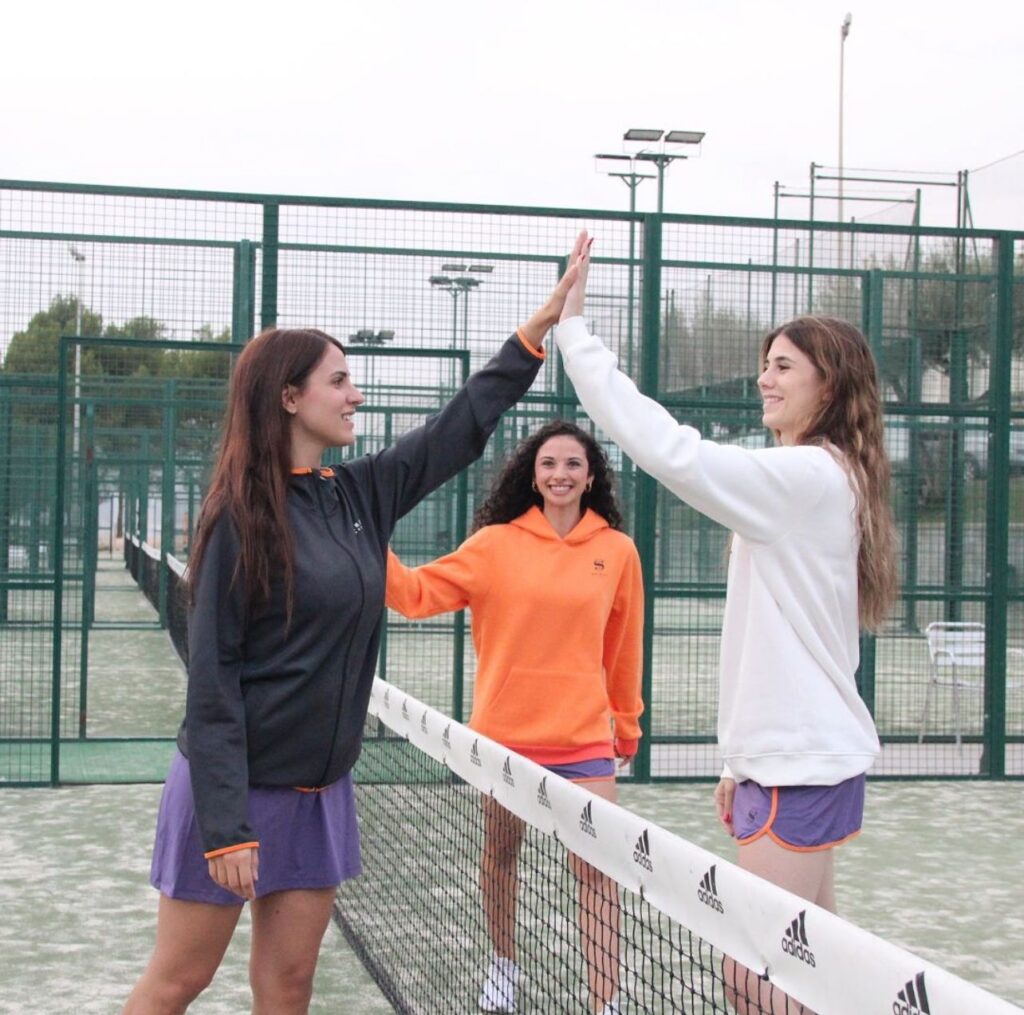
column 611, row 910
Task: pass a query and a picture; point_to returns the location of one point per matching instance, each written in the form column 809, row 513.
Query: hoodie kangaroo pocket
column 547, row 707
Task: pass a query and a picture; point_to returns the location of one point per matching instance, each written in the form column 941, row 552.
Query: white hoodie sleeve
column 758, row 494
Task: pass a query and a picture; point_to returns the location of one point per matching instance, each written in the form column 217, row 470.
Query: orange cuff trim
column 309, row 789
column 230, row 849
column 531, row 349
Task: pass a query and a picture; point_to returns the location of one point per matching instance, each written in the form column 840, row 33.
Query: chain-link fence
column 120, row 314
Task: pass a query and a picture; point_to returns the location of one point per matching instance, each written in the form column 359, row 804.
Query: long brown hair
column 851, row 420
column 512, row 493
column 250, row 477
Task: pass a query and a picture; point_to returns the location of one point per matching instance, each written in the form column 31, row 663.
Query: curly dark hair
column 512, row 493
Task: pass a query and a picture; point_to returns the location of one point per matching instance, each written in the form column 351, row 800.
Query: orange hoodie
column 557, row 627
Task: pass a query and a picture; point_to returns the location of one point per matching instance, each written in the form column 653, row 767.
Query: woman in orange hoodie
column 555, row 589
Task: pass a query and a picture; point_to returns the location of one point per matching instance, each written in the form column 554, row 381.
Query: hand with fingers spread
column 238, row 872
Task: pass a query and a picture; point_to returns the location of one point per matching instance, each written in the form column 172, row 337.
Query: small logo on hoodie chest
column 599, row 567
column 357, row 526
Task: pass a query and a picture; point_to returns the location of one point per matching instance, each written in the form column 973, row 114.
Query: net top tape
column 811, row 954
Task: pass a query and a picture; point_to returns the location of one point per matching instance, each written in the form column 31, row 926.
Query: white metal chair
column 956, row 653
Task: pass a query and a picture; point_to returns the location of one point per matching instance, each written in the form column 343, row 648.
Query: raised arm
column 429, row 455
column 755, row 493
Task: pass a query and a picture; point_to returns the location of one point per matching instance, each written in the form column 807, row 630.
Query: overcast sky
column 507, row 103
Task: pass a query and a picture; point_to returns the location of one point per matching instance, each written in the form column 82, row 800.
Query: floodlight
column 684, row 136
column 641, row 134
column 453, row 267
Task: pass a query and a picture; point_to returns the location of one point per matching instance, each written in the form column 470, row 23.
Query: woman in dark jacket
column 287, row 584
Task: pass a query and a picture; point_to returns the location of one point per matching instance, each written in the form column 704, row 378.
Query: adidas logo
column 587, row 822
column 642, row 852
column 423, row 721
column 542, row 793
column 707, row 891
column 794, row 940
column 506, row 772
column 405, row 709
column 446, row 737
column 474, row 754
column 912, row 999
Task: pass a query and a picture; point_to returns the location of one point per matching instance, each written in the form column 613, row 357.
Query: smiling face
column 561, row 473
column 322, row 411
column 792, row 390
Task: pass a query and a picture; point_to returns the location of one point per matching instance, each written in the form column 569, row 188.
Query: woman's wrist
column 539, row 324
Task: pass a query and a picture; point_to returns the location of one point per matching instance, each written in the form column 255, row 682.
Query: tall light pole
column 461, row 281
column 79, row 259
column 612, row 165
column 844, row 31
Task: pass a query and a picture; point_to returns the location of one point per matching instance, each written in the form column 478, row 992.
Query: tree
column 35, row 350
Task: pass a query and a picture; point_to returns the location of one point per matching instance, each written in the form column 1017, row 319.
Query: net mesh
column 468, row 846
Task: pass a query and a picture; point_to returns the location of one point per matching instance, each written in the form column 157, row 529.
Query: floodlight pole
column 79, row 259
column 844, row 31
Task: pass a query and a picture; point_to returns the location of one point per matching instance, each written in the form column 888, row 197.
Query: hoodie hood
column 534, row 522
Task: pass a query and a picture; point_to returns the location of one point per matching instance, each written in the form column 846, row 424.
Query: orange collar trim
column 325, row 471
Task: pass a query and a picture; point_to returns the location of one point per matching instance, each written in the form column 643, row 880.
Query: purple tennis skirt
column 594, row 768
column 799, row 817
column 307, row 840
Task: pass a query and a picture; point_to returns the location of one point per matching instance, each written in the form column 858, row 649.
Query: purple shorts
column 799, row 817
column 593, row 768
column 307, row 840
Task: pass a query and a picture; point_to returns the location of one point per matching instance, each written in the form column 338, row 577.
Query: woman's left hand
column 625, row 750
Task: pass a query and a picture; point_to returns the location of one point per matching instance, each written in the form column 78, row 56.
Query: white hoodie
column 789, row 710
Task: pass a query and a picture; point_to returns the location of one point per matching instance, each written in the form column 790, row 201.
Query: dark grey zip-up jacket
column 266, row 707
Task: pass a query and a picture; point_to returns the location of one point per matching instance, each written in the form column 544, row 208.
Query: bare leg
column 191, row 938
column 599, row 917
column 809, row 875
column 287, row 928
column 499, row 884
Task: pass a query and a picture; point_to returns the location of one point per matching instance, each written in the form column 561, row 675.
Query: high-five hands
column 579, row 268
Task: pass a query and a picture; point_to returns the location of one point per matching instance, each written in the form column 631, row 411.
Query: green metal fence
column 120, row 313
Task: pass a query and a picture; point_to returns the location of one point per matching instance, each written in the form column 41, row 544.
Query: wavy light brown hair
column 512, row 493
column 851, row 420
column 250, row 477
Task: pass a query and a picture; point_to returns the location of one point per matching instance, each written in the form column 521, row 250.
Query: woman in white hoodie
column 812, row 560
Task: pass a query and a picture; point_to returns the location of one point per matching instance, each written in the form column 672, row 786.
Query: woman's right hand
column 725, row 791
column 580, row 260
column 238, row 872
column 554, row 308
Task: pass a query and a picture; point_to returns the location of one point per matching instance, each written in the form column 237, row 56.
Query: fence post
column 645, row 520
column 167, row 493
column 243, row 297
column 998, row 512
column 268, row 294
column 6, row 446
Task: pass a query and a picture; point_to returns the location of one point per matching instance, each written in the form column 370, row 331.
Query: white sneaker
column 611, row 1008
column 499, row 990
